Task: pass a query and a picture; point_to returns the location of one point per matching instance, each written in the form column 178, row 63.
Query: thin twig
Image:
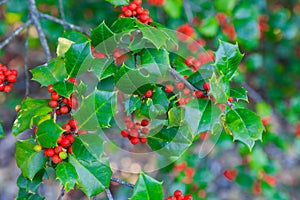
column 34, row 15
column 109, row 195
column 26, row 64
column 122, row 182
column 64, row 23
column 62, row 193
column 61, row 10
column 188, row 10
column 15, row 33
column 177, row 76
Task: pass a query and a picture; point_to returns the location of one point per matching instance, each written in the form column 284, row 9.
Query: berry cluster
column 61, row 104
column 135, row 132
column 203, row 58
column 178, row 196
column 134, row 9
column 156, row 2
column 64, row 143
column 227, row 28
column 185, row 93
column 7, row 78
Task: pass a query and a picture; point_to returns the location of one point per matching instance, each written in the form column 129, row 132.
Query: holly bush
column 165, row 85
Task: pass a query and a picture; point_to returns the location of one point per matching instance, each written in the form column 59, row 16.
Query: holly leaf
column 124, row 24
column 118, row 2
column 29, row 161
column 2, row 134
column 201, row 115
column 147, row 188
column 96, row 110
column 160, row 100
column 88, row 147
column 170, row 143
column 78, row 59
column 155, row 62
column 131, row 104
column 199, row 77
column 53, row 73
column 228, row 58
column 100, row 34
column 48, row 133
column 30, row 108
column 239, row 94
column 103, row 68
column 66, row 174
column 93, row 176
column 63, row 46
column 219, row 89
column 64, row 88
column 175, row 117
column 33, row 185
column 244, row 125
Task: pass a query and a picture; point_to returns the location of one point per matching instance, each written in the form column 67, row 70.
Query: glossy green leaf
column 96, row 110
column 67, row 175
column 199, row 77
column 225, row 6
column 132, row 103
column 63, row 46
column 175, row 117
column 51, row 74
column 64, row 88
column 29, row 161
column 210, row 27
column 48, row 133
column 99, row 35
column 78, row 59
column 228, row 58
column 219, row 89
column 30, row 108
column 173, row 8
column 239, row 94
column 93, row 176
column 244, row 125
column 147, row 188
column 124, row 24
column 103, row 68
column 2, row 134
column 118, row 2
column 33, row 185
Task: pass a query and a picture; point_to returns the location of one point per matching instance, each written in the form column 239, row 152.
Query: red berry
column 137, row 126
column 2, row 87
column 143, row 17
column 128, row 13
column 188, row 197
column 73, row 80
column 64, row 110
column 143, row 140
column 256, row 188
column 50, row 89
column 60, row 139
column 138, row 2
column 132, row 6
column 58, row 112
column 35, row 130
column 74, row 124
column 230, row 99
column 70, row 149
column 171, row 198
column 127, row 119
column 124, row 8
column 66, row 127
column 149, row 94
column 65, row 142
column 134, row 133
column 186, row 91
column 230, row 174
column 56, row 159
column 180, row 85
column 58, row 149
column 65, row 101
column 120, row 16
column 55, row 96
column 145, row 131
column 53, row 104
column 139, row 10
column 124, row 133
column 177, row 193
column 169, row 88
column 130, row 125
column 206, row 86
column 134, row 140
column 198, row 94
column 49, row 152
column 7, row 89
column 144, row 122
column 70, row 137
column 12, row 79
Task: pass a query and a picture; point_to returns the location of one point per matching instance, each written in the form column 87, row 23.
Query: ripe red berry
column 70, row 149
column 127, row 119
column 14, row 72
column 58, row 149
column 56, row 159
column 230, row 99
column 7, row 89
column 66, row 127
column 49, row 152
column 198, row 94
column 55, row 96
column 64, row 110
column 169, row 88
column 180, row 85
column 70, row 137
column 206, row 86
column 73, row 80
column 128, row 13
column 188, row 197
column 177, row 193
column 134, row 140
column 138, row 2
column 134, row 133
column 149, row 94
column 2, row 87
column 132, row 6
column 58, row 112
column 130, row 125
column 139, row 10
column 12, row 78
column 145, row 122
column 145, row 131
column 186, row 91
column 124, row 133
column 17, row 108
column 230, row 174
column 143, row 140
column 74, row 124
column 65, row 142
column 53, row 104
column 137, row 126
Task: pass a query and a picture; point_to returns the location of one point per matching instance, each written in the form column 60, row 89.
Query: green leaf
column 175, row 117
column 155, row 62
column 93, row 176
column 199, row 77
column 228, row 58
column 96, row 110
column 147, row 188
column 124, row 24
column 201, row 115
column 64, row 88
column 131, row 104
column 263, row 109
column 33, row 185
column 29, row 161
column 53, row 73
column 173, row 8
column 75, row 36
column 63, row 46
column 100, row 34
column 48, row 133
column 67, row 175
column 153, row 35
column 239, row 94
column 118, row 2
column 225, row 6
column 160, row 100
column 88, row 147
column 78, row 59
column 209, row 28
column 244, row 125
column 219, row 89
column 2, row 134
column 103, row 68
column 170, row 143
column 30, row 108
column 132, row 81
